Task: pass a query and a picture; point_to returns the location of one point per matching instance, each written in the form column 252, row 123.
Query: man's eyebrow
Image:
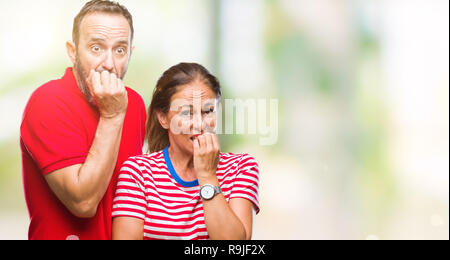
column 97, row 39
column 122, row 42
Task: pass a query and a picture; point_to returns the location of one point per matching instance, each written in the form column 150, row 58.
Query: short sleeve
column 130, row 200
column 51, row 134
column 142, row 111
column 246, row 183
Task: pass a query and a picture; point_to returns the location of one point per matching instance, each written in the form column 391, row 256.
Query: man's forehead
column 105, row 26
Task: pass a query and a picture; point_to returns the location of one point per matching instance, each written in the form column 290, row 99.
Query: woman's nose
column 197, row 123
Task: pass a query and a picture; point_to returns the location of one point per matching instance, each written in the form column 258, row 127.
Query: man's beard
column 82, row 82
column 82, row 77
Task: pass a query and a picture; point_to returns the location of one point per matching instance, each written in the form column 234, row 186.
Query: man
column 77, row 131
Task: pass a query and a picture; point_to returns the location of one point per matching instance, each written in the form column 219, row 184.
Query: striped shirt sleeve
column 130, row 199
column 246, row 183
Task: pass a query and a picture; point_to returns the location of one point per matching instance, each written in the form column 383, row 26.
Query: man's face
column 104, row 44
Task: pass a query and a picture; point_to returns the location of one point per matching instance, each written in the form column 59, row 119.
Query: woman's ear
column 162, row 118
column 71, row 51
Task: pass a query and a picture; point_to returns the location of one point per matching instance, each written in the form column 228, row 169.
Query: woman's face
column 192, row 112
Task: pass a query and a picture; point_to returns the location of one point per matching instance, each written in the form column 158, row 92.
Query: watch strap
column 217, row 190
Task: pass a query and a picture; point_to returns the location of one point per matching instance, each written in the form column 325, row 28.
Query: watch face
column 207, row 192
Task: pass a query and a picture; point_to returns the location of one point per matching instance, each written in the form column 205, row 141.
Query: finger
column 120, row 85
column 216, row 143
column 91, row 74
column 105, row 79
column 113, row 81
column 202, row 142
column 209, row 142
column 196, row 145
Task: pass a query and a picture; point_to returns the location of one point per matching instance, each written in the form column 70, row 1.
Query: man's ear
column 71, row 51
column 162, row 118
column 131, row 52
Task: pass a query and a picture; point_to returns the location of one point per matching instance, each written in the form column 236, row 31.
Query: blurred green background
column 363, row 102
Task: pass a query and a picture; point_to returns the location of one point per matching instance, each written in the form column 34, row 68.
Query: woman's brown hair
column 178, row 75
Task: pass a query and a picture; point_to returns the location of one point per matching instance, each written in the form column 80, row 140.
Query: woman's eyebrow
column 190, row 106
column 186, row 106
column 208, row 104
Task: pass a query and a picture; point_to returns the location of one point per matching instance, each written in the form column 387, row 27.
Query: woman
column 185, row 188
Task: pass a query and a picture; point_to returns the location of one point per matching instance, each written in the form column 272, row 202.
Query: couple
column 81, row 137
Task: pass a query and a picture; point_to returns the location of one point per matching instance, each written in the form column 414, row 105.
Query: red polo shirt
column 58, row 128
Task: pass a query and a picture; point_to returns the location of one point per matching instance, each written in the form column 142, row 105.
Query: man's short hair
column 100, row 6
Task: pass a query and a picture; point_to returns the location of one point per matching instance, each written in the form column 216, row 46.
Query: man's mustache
column 111, row 72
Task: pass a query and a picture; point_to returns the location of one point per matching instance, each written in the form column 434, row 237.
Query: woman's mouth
column 193, row 137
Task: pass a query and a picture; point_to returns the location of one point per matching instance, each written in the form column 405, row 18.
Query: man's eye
column 120, row 51
column 95, row 48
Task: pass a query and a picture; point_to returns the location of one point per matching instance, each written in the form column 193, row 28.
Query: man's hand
column 109, row 93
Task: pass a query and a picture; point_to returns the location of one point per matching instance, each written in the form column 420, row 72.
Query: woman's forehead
column 194, row 91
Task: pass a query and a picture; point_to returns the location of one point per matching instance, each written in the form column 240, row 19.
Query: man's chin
column 82, row 85
column 81, row 77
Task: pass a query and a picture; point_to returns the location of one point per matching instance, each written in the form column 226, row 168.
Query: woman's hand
column 206, row 156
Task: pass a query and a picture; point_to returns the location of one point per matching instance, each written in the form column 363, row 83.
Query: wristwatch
column 208, row 191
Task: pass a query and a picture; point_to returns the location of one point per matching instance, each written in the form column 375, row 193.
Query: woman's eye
column 211, row 110
column 185, row 113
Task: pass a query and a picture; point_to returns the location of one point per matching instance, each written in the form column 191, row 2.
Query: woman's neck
column 183, row 163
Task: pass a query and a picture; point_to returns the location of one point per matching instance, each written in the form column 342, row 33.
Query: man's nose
column 108, row 62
